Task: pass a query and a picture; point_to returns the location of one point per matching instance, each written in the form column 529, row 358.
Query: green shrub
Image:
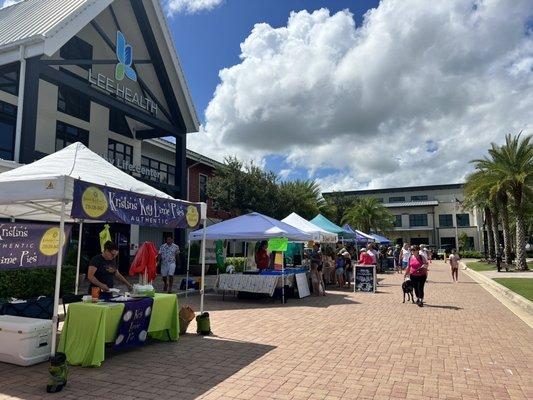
column 471, row 254
column 27, row 283
column 238, row 262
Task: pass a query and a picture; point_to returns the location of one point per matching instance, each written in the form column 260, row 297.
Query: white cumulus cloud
column 408, row 98
column 191, row 6
column 8, row 3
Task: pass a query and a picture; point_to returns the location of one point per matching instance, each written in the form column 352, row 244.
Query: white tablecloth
column 249, row 283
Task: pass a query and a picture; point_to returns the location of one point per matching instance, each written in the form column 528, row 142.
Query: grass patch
column 522, row 286
column 481, row 266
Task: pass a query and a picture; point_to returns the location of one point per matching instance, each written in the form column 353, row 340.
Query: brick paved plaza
column 463, row 345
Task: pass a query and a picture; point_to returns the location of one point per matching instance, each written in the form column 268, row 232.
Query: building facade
column 104, row 73
column 431, row 215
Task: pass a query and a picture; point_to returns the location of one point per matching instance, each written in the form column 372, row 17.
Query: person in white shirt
column 168, row 255
column 405, row 255
column 454, row 263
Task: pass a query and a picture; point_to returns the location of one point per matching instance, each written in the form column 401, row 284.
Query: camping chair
column 68, row 299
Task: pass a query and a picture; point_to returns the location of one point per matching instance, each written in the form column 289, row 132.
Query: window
column 397, row 199
column 418, row 220
column 166, row 171
column 379, row 199
column 118, row 123
column 447, row 241
column 203, row 187
column 8, row 120
column 77, row 49
column 463, row 220
column 72, row 102
column 398, row 221
column 446, row 221
column 419, row 198
column 67, row 134
column 119, row 152
column 9, row 79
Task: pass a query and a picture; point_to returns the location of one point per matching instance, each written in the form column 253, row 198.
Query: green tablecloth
column 88, row 327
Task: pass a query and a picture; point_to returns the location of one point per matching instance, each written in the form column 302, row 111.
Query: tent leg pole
column 282, row 279
column 78, row 260
column 58, row 277
column 188, row 266
column 202, row 285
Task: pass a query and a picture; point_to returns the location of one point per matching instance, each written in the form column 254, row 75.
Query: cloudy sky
column 357, row 94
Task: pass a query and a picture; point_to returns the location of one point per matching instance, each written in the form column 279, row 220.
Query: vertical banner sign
column 133, row 328
column 102, row 203
column 365, row 278
column 28, row 245
column 219, row 250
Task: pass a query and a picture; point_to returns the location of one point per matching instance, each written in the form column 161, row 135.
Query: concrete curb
column 523, row 308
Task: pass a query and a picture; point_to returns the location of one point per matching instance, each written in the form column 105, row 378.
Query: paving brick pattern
column 463, row 345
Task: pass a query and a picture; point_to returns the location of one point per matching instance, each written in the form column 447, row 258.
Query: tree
column 300, row 196
column 336, row 205
column 477, row 194
column 463, row 242
column 241, row 188
column 368, row 214
column 511, row 166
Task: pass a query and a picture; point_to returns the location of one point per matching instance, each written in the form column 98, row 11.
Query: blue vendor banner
column 102, row 203
column 29, row 245
column 133, row 328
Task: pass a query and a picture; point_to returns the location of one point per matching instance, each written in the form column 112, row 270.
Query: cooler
column 24, row 341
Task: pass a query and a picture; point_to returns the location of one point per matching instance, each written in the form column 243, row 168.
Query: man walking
column 168, row 255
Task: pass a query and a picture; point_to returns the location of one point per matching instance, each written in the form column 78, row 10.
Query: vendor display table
column 89, row 326
column 265, row 282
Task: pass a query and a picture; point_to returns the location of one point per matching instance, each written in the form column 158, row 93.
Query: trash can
column 58, row 371
column 203, row 324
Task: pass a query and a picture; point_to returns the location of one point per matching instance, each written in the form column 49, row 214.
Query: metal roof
column 412, row 204
column 37, row 19
column 398, row 189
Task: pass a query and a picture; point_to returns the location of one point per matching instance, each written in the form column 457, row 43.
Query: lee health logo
column 125, row 58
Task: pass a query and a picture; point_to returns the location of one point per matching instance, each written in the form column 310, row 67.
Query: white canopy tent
column 318, row 234
column 252, row 226
column 43, row 191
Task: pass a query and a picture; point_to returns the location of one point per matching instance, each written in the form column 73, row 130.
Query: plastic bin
column 24, row 341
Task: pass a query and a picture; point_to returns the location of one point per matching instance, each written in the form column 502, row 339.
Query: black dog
column 407, row 287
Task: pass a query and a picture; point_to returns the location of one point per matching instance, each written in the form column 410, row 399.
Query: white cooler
column 24, row 341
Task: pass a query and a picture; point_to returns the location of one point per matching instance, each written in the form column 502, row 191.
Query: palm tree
column 300, row 196
column 511, row 165
column 368, row 214
column 477, row 195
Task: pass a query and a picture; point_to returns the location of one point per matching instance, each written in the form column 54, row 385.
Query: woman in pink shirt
column 418, row 273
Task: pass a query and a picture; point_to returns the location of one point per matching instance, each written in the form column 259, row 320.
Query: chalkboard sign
column 365, row 278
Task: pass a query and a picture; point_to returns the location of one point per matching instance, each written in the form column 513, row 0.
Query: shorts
column 339, row 271
column 404, row 264
column 168, row 269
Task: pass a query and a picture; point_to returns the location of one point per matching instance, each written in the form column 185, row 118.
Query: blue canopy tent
column 329, row 226
column 381, row 239
column 359, row 237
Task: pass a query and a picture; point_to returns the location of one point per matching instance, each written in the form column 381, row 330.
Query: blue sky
column 209, row 40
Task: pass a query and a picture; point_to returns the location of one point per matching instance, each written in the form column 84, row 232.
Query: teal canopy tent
column 329, row 226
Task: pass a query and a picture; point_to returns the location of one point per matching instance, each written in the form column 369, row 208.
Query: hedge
column 28, row 283
column 470, row 254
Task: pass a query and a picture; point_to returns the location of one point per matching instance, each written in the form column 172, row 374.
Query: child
column 321, row 283
column 339, row 270
column 315, row 280
column 454, row 263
